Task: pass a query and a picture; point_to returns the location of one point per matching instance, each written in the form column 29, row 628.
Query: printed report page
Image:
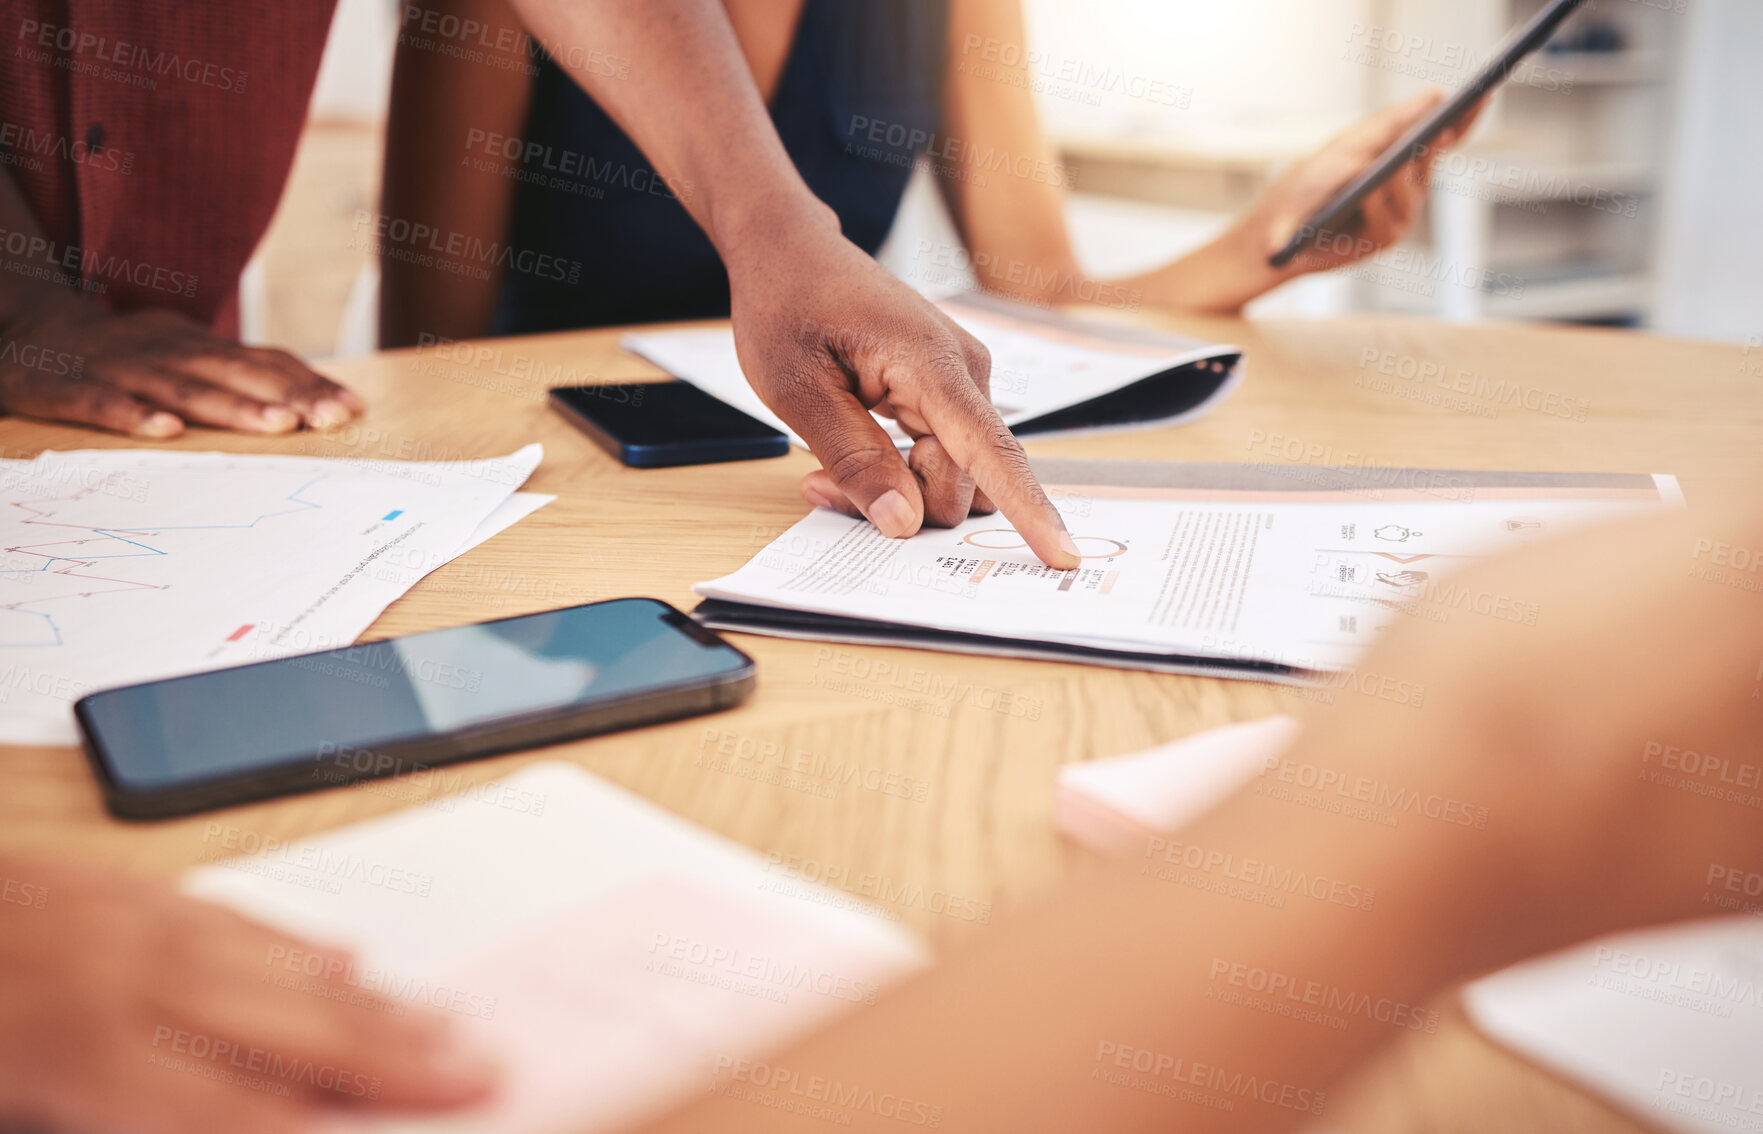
column 1308, row 585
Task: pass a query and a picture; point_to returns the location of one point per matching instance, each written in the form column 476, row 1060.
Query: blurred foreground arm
column 1102, row 1008
column 126, row 1007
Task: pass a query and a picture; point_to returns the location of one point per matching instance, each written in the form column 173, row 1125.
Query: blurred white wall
column 355, row 79
column 1711, row 242
column 1244, row 65
column 1253, row 67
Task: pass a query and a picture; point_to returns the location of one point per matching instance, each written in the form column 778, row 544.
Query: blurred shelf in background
column 1553, row 211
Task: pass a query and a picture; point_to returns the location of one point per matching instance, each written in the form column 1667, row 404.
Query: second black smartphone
column 651, row 425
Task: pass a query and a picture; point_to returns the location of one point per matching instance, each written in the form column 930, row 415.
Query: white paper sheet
column 1040, row 362
column 119, row 566
column 1306, row 585
column 608, row 952
column 1666, row 1023
column 511, row 511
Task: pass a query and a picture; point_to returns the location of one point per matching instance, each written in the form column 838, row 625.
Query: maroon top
column 152, row 139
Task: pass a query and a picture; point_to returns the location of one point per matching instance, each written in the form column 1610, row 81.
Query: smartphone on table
column 650, row 425
column 402, row 705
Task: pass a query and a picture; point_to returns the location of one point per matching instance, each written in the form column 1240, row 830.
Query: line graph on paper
column 108, row 537
column 126, row 565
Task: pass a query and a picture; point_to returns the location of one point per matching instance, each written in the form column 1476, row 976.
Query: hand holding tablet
column 1382, row 217
column 1360, row 205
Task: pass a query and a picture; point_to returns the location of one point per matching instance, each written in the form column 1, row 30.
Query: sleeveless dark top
column 859, row 97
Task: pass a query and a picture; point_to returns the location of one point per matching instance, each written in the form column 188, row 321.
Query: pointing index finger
column 970, row 430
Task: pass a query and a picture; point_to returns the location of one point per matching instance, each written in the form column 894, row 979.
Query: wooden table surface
column 1355, row 392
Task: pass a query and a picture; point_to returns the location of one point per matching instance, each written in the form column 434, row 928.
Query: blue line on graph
column 293, row 496
column 47, row 562
column 146, row 550
column 53, row 629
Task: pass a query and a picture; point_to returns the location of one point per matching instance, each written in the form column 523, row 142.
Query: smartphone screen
column 667, row 423
column 270, row 715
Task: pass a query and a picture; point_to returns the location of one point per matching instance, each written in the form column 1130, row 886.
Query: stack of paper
column 1052, row 373
column 118, row 566
column 1271, row 571
column 612, row 956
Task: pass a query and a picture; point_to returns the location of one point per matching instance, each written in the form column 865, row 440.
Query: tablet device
column 1340, row 208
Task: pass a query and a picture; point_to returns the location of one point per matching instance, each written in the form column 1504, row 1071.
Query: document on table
column 1666, row 1023
column 1272, row 571
column 612, row 956
column 1052, row 373
column 118, row 566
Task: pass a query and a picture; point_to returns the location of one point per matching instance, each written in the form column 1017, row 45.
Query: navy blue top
column 859, row 97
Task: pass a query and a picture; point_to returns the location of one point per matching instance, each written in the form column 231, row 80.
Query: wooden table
column 1315, row 393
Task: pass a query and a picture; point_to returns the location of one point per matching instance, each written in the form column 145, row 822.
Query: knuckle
column 948, row 362
column 185, row 389
column 96, row 401
column 947, row 495
column 282, row 365
column 998, row 437
column 857, row 462
column 979, row 358
column 942, row 512
column 932, row 461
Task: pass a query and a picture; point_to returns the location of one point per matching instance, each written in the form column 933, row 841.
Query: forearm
column 671, row 73
column 447, row 169
column 1121, row 1005
column 1032, row 261
column 1219, row 277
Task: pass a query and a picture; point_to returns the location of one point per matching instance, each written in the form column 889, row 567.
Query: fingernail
column 817, row 499
column 892, row 514
column 1069, row 545
column 329, row 411
column 160, row 425
column 278, row 419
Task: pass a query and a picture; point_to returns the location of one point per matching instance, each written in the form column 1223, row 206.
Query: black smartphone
column 651, row 425
column 1334, row 215
column 402, row 705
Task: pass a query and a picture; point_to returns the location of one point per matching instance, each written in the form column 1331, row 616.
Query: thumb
column 862, row 461
column 1381, row 128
